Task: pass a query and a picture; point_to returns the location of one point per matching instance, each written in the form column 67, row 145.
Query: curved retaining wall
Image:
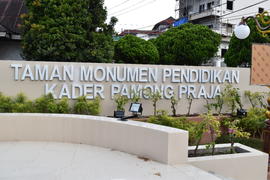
column 162, row 144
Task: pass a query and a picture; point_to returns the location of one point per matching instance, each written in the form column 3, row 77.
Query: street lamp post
column 242, row 30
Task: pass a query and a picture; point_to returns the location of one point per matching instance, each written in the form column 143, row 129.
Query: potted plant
column 174, row 103
column 210, row 124
column 154, row 97
column 120, row 101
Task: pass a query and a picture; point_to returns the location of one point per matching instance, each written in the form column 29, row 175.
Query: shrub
column 88, row 107
column 135, row 96
column 234, row 131
column 232, row 98
column 63, row 107
column 190, row 100
column 255, row 98
column 211, row 124
column 218, row 103
column 180, row 123
column 174, row 103
column 45, row 104
column 154, row 97
column 251, row 142
column 5, row 104
column 22, row 105
column 254, row 122
column 120, row 101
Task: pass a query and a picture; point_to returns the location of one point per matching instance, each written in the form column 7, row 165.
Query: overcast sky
column 139, row 14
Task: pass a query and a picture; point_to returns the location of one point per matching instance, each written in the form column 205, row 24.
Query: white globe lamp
column 242, row 31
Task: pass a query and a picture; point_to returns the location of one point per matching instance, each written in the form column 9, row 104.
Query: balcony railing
column 203, row 14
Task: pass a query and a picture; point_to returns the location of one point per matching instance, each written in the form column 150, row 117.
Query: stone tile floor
column 60, row 161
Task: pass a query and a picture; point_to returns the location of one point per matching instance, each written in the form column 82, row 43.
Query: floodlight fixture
column 136, row 108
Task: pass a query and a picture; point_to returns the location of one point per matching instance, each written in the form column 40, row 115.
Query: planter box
column 250, row 165
column 119, row 114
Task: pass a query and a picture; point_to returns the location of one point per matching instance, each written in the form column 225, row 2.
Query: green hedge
column 251, row 142
column 175, row 122
column 47, row 104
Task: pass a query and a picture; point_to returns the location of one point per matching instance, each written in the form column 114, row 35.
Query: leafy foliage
column 135, row 96
column 154, row 97
column 174, row 103
column 5, row 104
column 21, row 104
column 190, row 100
column 255, row 98
column 187, row 44
column 239, row 51
column 232, row 98
column 67, row 30
column 234, row 131
column 134, row 50
column 251, row 142
column 254, row 122
column 180, row 123
column 218, row 103
column 45, row 104
column 120, row 101
column 88, row 107
column 63, row 107
column 211, row 124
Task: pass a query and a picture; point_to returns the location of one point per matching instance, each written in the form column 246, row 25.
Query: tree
column 187, row 44
column 67, row 30
column 134, row 50
column 239, row 51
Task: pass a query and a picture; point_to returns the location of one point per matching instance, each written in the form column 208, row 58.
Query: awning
column 180, row 22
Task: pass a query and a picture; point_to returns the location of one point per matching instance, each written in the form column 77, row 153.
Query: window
column 201, row 8
column 229, row 28
column 210, row 26
column 209, row 5
column 261, row 10
column 230, row 5
column 223, row 52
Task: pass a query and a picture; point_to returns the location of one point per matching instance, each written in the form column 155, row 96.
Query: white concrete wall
column 158, row 143
column 243, row 166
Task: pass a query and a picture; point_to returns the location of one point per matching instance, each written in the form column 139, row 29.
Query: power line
column 129, row 7
column 146, row 26
column 131, row 24
column 120, row 4
column 221, row 17
column 244, row 8
column 241, row 15
column 143, row 5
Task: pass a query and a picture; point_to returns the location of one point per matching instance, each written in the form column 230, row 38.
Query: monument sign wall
column 93, row 80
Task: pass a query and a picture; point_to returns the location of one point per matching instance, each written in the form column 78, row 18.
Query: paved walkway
column 60, row 161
